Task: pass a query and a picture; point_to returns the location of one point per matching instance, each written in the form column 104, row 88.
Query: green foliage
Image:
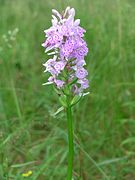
column 63, row 100
column 31, row 138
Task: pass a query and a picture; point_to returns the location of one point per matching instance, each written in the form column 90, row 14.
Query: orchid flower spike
column 67, row 49
column 64, row 42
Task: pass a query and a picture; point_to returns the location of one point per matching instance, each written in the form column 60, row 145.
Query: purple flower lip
column 81, row 73
column 59, row 83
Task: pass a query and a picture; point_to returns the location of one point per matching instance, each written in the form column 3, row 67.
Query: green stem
column 70, row 142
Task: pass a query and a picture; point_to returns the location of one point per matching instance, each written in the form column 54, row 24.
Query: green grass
column 31, row 138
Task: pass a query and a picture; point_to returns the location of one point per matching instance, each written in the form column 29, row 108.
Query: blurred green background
column 31, row 137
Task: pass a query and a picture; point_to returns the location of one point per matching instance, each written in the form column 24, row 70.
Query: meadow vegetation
column 32, row 138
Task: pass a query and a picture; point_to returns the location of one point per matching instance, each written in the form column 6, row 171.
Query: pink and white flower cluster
column 64, row 42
